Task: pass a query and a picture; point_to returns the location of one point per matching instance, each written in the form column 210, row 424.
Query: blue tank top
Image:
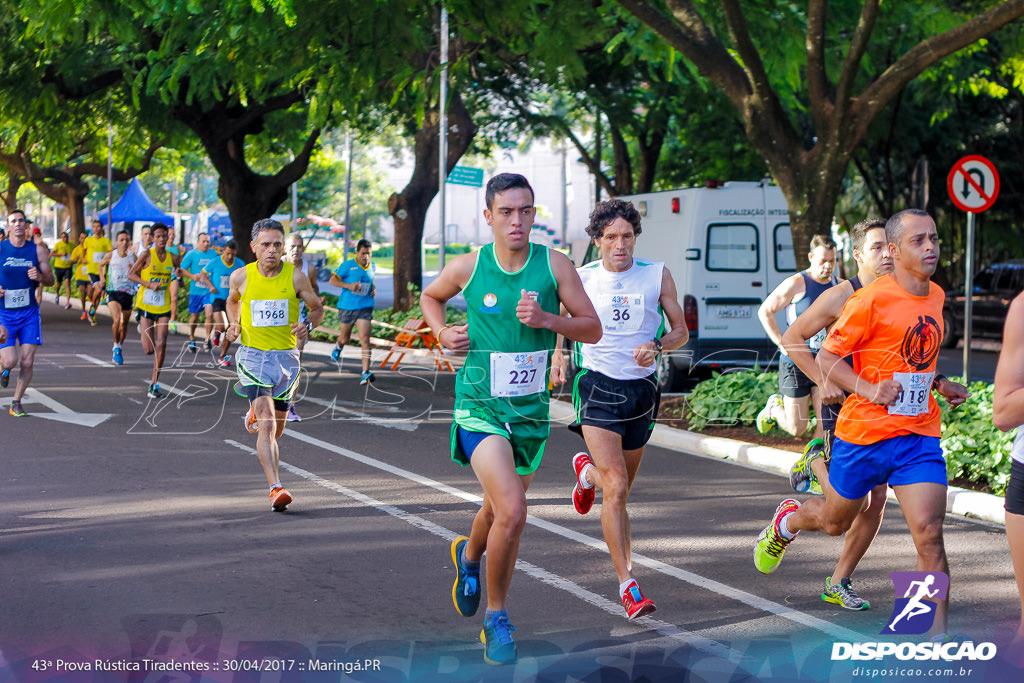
column 20, row 291
column 812, row 290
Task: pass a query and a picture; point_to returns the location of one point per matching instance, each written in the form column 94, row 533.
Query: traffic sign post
column 973, row 185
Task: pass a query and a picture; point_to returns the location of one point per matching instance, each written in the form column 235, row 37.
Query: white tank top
column 627, row 304
column 117, row 273
column 1017, row 450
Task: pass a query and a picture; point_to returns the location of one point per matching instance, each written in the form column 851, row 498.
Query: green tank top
column 505, row 376
column 270, row 307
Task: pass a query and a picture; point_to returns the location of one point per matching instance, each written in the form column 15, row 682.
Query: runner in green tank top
column 513, row 290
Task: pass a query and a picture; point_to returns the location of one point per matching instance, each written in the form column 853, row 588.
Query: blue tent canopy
column 135, row 205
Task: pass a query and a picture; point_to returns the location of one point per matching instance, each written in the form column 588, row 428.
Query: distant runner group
column 863, row 351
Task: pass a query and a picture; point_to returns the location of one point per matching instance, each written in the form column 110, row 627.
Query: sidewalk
column 972, row 505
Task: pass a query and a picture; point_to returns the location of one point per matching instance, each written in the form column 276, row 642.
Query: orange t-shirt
column 890, row 334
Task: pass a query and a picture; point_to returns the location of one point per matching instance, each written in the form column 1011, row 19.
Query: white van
column 727, row 245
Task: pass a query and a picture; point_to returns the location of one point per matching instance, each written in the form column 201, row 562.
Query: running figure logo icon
column 917, row 595
column 921, row 342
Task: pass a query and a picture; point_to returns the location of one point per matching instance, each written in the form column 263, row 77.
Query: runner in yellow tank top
column 263, row 309
column 153, row 271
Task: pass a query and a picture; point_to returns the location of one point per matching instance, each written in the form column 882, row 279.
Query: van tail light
column 690, row 313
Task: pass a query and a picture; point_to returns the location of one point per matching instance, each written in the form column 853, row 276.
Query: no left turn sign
column 973, row 183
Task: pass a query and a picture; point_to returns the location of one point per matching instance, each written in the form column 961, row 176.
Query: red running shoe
column 582, row 498
column 635, row 603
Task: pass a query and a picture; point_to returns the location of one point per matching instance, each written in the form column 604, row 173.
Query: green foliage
column 973, row 447
column 730, row 398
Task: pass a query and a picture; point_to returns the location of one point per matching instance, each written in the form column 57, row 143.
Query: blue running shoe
column 499, row 648
column 118, row 357
column 466, row 591
column 336, row 354
column 5, row 378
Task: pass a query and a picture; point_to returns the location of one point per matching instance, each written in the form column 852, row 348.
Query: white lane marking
column 670, row 630
column 61, row 412
column 730, row 592
column 404, row 425
column 94, row 361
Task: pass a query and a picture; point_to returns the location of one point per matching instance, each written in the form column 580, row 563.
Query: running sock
column 466, row 564
column 116, row 346
column 623, row 586
column 491, row 613
column 275, row 485
column 583, row 477
column 784, row 529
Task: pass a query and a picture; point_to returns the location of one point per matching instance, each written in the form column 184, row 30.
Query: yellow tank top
column 158, row 302
column 269, row 308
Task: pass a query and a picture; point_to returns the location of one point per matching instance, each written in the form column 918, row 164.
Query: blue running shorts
column 196, row 303
column 898, row 460
column 22, row 329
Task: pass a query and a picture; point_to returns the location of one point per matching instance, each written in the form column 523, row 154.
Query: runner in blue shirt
column 216, row 276
column 24, row 265
column 192, row 265
column 355, row 303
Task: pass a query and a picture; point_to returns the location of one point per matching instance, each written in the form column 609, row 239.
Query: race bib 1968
column 16, row 298
column 518, row 374
column 269, row 312
column 913, row 399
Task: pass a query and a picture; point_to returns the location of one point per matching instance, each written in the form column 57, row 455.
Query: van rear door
column 735, row 284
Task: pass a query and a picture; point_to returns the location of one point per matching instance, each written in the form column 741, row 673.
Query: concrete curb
column 973, row 505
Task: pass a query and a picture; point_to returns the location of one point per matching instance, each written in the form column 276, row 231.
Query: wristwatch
column 657, row 342
column 309, row 326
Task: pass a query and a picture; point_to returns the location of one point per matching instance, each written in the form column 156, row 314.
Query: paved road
column 148, row 537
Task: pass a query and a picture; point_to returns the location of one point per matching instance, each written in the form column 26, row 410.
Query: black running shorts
column 792, row 381
column 1015, row 489
column 627, row 407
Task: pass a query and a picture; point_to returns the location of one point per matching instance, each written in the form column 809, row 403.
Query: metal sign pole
column 443, row 130
column 968, row 295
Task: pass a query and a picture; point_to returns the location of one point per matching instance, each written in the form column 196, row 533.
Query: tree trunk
column 408, row 208
column 10, row 196
column 248, row 196
column 72, row 195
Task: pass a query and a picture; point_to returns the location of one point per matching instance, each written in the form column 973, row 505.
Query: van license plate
column 733, row 311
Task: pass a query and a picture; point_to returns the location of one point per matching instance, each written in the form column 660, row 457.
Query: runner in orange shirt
column 888, row 429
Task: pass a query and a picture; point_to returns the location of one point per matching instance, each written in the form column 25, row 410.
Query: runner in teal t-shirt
column 192, row 265
column 513, row 290
column 355, row 303
column 216, row 278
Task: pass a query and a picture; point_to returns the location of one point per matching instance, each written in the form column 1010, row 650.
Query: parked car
column 995, row 286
